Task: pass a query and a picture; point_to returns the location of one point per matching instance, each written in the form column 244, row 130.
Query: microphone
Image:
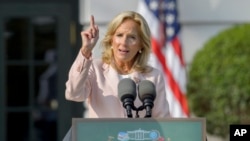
column 127, row 94
column 147, row 94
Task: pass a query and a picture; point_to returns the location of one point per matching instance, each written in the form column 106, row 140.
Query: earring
column 140, row 51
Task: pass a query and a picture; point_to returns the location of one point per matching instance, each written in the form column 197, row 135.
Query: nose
column 124, row 40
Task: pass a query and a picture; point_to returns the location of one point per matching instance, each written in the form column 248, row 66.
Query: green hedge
column 219, row 80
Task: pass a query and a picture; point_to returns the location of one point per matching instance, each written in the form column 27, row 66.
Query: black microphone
column 127, row 94
column 147, row 94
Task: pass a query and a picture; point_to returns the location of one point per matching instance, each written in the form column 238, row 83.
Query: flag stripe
column 178, row 50
column 175, row 66
column 159, row 14
column 173, row 85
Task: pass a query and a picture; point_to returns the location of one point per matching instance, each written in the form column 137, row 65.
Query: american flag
column 161, row 16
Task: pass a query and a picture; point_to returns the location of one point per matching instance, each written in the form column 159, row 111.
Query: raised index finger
column 92, row 21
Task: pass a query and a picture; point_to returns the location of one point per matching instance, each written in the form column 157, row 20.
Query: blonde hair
column 141, row 59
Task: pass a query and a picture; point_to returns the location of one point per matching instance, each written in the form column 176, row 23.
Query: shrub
column 219, row 80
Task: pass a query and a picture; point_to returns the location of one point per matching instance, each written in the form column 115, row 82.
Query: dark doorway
column 35, row 57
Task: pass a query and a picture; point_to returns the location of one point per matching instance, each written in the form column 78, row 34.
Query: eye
column 133, row 37
column 119, row 35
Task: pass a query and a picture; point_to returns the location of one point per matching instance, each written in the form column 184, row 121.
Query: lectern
column 138, row 129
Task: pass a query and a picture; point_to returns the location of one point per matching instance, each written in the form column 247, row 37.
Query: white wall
column 104, row 10
column 214, row 10
column 202, row 19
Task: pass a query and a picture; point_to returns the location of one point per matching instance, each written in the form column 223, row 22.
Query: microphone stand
column 137, row 110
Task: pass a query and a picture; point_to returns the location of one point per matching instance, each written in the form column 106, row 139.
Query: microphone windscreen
column 146, row 89
column 126, row 89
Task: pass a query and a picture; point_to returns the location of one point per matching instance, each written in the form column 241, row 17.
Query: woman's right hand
column 89, row 38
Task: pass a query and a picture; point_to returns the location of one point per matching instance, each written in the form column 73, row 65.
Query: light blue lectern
column 138, row 129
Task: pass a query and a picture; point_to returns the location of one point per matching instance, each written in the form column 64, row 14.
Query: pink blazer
column 95, row 82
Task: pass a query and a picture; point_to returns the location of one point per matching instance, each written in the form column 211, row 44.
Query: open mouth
column 123, row 50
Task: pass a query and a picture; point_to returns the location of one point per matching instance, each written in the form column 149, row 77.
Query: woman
column 126, row 50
